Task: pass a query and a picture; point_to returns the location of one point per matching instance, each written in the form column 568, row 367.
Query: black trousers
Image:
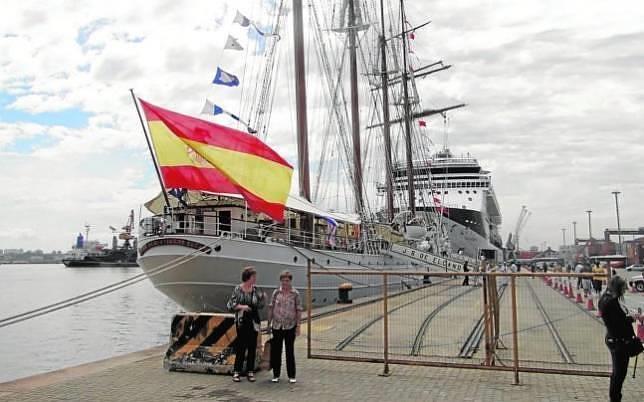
column 466, row 281
column 245, row 347
column 286, row 337
column 620, row 368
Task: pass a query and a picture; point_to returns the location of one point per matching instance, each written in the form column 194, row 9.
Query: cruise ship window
column 474, row 191
column 467, row 191
column 460, row 191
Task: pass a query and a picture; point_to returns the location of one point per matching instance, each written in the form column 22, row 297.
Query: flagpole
column 154, row 159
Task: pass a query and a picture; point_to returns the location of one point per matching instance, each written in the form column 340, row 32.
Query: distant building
column 634, row 250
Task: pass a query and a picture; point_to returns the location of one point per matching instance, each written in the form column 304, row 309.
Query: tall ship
column 224, row 202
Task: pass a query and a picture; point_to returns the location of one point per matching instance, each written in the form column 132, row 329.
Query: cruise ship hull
column 202, row 281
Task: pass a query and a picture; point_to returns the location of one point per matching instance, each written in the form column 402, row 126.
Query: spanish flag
column 200, row 155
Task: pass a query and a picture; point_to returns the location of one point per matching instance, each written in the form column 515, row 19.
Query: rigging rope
column 7, row 321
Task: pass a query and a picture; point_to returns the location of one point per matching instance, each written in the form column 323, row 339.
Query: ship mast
column 384, row 76
column 300, row 102
column 355, row 112
column 410, row 164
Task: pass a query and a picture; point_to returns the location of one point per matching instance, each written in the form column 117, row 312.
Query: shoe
column 236, row 377
column 250, row 376
column 292, row 380
column 275, row 380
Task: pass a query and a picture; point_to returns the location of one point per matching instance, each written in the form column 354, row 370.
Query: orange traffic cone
column 579, row 299
column 589, row 304
column 565, row 290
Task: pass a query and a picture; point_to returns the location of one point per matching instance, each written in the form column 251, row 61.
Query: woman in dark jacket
column 245, row 302
column 619, row 328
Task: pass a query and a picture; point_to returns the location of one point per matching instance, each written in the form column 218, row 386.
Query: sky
column 554, row 93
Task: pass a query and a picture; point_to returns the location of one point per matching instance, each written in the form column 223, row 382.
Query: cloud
column 553, row 92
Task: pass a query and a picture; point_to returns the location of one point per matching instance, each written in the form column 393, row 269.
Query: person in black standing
column 245, row 302
column 466, row 280
column 619, row 329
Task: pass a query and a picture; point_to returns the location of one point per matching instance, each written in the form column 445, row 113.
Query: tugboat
column 94, row 254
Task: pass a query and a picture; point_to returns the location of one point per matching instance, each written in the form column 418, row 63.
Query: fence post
column 487, row 320
column 385, row 322
column 309, row 308
column 515, row 332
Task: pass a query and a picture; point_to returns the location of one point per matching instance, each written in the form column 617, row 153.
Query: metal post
column 385, row 325
column 590, row 227
column 309, row 308
column 619, row 226
column 355, row 111
column 563, row 232
column 154, row 159
column 408, row 147
column 384, row 76
column 300, row 101
column 515, row 332
column 487, row 319
column 574, row 233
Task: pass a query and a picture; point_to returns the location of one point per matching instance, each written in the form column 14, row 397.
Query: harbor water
column 128, row 320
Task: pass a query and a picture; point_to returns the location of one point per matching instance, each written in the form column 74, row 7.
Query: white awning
column 293, row 202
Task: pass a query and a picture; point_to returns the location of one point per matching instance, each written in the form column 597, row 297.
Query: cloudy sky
column 554, row 94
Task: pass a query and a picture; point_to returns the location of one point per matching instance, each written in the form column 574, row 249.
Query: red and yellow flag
column 200, row 155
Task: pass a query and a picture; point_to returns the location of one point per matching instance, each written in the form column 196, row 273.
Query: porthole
column 328, row 262
column 217, row 248
column 295, row 259
column 474, row 191
column 460, row 191
column 324, row 301
column 313, row 260
column 467, row 191
column 313, row 300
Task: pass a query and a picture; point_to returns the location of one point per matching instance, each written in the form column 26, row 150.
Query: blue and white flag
column 213, row 109
column 224, row 78
column 333, row 224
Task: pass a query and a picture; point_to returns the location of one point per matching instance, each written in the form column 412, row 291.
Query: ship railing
column 260, row 231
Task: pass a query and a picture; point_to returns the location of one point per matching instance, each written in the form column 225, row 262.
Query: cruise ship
column 460, row 193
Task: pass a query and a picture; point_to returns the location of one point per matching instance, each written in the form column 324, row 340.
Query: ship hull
column 98, row 264
column 202, row 281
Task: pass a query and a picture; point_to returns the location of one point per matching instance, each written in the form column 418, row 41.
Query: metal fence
column 520, row 322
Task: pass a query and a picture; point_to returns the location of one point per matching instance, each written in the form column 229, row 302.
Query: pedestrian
column 466, row 280
column 640, row 324
column 246, row 301
column 578, row 270
column 619, row 329
column 284, row 313
column 587, row 282
column 597, row 280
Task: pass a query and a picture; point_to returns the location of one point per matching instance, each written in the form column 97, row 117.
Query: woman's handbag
column 265, row 363
column 633, row 346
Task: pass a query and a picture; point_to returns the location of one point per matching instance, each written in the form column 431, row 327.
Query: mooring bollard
column 343, row 293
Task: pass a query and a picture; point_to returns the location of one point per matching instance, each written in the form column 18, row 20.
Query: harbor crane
column 512, row 245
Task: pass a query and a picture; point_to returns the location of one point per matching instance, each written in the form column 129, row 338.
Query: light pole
column 574, row 232
column 619, row 226
column 590, row 227
column 563, row 232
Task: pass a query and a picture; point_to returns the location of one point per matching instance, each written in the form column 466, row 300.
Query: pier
column 443, row 324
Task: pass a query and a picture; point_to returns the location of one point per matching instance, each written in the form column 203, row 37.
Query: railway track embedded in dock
column 420, row 335
column 561, row 346
column 473, row 340
column 349, row 339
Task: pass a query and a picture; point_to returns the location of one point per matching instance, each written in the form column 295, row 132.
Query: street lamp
column 590, row 227
column 574, row 232
column 619, row 226
column 563, row 232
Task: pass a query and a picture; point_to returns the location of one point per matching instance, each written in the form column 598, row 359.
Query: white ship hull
column 203, row 282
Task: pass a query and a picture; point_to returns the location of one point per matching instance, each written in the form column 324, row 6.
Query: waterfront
column 128, row 320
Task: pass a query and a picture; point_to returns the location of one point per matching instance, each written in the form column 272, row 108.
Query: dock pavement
column 140, row 377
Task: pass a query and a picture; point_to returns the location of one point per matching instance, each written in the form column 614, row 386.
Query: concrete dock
column 140, row 377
